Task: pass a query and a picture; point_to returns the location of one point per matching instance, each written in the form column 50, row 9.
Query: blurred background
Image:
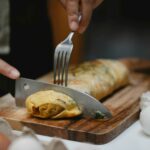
column 118, row 29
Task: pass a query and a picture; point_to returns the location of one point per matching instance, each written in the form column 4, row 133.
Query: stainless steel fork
column 62, row 56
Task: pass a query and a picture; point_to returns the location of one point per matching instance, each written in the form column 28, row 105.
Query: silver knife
column 23, row 87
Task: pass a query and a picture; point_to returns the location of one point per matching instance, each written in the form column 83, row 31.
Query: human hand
column 8, row 70
column 76, row 7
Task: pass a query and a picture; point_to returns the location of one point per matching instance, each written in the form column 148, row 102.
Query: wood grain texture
column 123, row 103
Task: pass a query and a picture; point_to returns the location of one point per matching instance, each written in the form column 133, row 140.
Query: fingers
column 72, row 7
column 86, row 11
column 75, row 8
column 8, row 70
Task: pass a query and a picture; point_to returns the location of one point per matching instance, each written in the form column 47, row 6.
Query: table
column 132, row 138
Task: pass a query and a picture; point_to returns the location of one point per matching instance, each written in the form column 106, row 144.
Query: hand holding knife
column 21, row 88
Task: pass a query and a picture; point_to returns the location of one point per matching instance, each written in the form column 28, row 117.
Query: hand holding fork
column 62, row 57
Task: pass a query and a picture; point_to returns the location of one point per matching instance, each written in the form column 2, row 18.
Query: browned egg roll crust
column 98, row 78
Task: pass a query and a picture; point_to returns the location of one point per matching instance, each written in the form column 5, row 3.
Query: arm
column 8, row 70
column 74, row 7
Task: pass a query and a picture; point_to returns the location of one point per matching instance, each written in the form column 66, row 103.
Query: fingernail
column 14, row 74
column 74, row 26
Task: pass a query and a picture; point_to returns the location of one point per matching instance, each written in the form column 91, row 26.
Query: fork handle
column 72, row 33
column 70, row 36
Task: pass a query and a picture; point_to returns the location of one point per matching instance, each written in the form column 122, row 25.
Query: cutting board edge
column 109, row 135
column 76, row 135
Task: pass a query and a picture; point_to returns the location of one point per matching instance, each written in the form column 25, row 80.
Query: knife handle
column 6, row 85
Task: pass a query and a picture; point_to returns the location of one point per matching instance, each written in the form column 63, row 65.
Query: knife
column 21, row 88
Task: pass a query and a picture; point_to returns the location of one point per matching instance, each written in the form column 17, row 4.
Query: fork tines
column 61, row 61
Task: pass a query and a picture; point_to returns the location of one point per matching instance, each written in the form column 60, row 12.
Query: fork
column 62, row 57
column 61, row 60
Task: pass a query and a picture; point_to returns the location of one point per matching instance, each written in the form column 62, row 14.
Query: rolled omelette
column 52, row 104
column 98, row 78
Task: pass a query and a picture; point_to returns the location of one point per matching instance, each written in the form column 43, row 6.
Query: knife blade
column 21, row 88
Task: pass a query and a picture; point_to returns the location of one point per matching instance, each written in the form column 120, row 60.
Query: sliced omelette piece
column 52, row 104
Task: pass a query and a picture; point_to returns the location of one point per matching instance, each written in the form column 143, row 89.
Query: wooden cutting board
column 124, row 105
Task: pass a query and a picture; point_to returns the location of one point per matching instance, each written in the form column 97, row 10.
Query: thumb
column 8, row 70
